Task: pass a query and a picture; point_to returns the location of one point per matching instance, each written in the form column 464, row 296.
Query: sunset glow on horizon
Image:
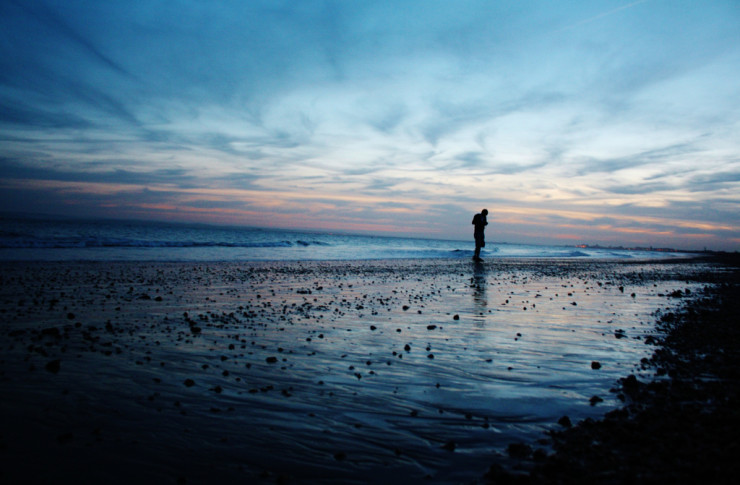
column 608, row 122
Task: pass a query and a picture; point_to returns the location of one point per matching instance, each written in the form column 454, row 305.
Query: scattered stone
column 519, row 451
column 565, row 422
column 54, row 366
column 51, row 332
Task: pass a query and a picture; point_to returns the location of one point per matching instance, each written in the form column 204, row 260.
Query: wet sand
column 678, row 425
column 382, row 371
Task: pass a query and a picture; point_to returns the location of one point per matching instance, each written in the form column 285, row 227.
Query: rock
column 431, row 327
column 565, row 422
column 271, row 360
column 456, row 317
column 54, row 366
column 630, row 384
column 595, row 365
column 519, row 451
column 449, row 446
column 595, row 400
column 189, row 383
column 51, row 332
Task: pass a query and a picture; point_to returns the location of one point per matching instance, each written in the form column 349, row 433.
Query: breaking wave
column 93, row 242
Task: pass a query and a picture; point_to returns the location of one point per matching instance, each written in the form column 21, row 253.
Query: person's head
column 484, row 212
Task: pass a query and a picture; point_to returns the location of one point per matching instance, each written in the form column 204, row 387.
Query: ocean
column 118, row 240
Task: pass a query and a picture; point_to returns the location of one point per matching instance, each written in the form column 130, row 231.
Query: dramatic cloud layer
column 611, row 122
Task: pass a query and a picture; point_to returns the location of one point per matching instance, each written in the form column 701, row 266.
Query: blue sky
column 611, row 122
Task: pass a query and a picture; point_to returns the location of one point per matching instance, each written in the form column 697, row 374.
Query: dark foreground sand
column 363, row 372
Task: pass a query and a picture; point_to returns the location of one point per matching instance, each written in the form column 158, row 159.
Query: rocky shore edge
column 681, row 427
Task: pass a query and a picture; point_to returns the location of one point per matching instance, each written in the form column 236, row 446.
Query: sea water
column 115, row 240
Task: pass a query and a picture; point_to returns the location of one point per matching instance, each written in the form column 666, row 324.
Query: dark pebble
column 449, row 446
column 565, row 422
column 54, row 366
column 519, row 451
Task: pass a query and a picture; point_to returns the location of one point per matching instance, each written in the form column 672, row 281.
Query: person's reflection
column 480, row 300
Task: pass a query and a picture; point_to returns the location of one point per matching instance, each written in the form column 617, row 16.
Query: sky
column 612, row 122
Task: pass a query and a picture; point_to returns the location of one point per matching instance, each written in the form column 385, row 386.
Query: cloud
column 364, row 111
column 18, row 113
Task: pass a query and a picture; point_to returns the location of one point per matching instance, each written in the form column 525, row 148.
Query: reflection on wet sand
column 238, row 372
column 479, row 284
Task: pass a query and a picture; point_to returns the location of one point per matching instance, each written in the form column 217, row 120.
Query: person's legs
column 479, row 243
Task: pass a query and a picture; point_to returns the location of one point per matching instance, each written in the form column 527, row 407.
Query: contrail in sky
column 601, row 15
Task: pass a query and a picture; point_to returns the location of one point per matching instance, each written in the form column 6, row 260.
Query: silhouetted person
column 480, row 223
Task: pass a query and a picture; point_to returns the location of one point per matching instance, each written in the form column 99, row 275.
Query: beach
column 319, row 371
column 679, row 425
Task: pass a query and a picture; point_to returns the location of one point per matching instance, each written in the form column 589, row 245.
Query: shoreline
column 313, row 371
column 678, row 426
